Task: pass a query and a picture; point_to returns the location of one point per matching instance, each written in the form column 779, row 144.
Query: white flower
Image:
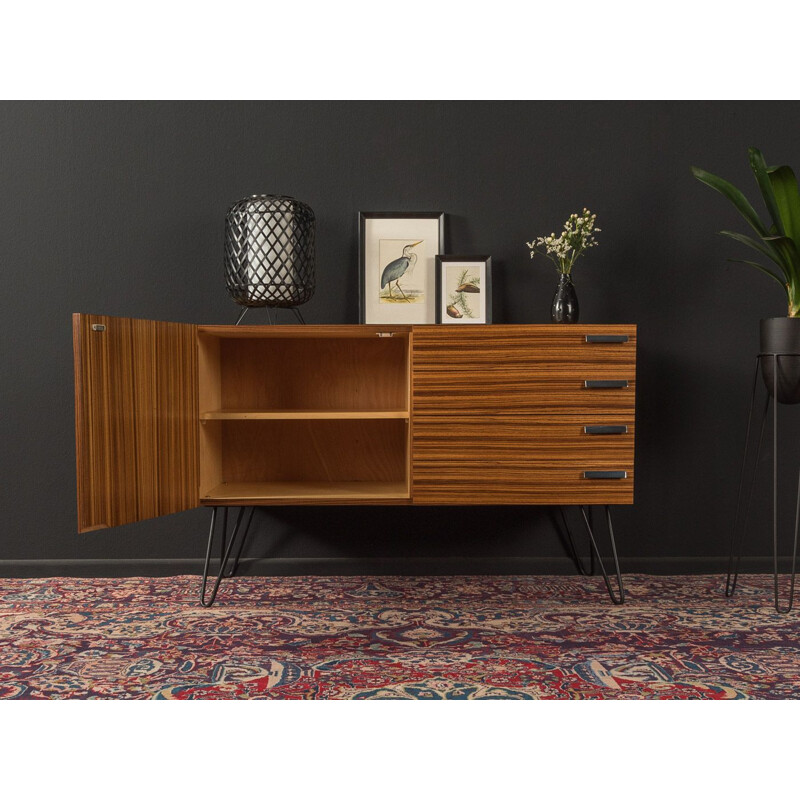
column 576, row 236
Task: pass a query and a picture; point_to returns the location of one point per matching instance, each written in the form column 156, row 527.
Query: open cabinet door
column 135, row 419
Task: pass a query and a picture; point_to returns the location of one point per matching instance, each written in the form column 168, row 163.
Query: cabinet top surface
column 374, row 330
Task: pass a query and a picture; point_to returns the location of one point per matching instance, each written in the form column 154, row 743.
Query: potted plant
column 778, row 243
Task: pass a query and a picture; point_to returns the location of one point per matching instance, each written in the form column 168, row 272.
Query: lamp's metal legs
column 227, row 548
column 293, row 309
column 619, row 597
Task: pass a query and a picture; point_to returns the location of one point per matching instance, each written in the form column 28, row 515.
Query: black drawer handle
column 606, row 338
column 606, row 384
column 602, row 430
column 605, row 474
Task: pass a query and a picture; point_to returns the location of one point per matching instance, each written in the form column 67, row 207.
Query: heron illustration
column 395, row 270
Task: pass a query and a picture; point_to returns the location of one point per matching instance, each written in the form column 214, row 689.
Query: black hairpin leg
column 296, row 312
column 242, row 540
column 225, row 553
column 733, row 569
column 619, row 597
column 582, row 570
column 787, row 608
column 241, row 316
column 778, row 608
column 223, row 533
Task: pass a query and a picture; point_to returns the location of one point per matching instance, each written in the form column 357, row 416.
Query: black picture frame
column 484, row 265
column 364, row 219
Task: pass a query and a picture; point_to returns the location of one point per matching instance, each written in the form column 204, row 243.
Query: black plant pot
column 781, row 335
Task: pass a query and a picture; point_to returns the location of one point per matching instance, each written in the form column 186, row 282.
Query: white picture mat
column 376, row 229
column 480, row 267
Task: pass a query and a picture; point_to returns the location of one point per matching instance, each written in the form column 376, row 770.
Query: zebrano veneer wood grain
column 172, row 416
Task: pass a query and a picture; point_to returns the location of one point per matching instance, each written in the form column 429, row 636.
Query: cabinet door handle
column 606, row 384
column 605, row 474
column 606, row 338
column 602, row 430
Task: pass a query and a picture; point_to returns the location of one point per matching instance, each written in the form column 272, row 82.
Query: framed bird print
column 397, row 259
column 463, row 289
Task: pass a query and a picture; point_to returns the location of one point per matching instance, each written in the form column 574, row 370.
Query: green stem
column 794, row 300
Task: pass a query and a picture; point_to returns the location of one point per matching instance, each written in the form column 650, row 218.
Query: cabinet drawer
column 516, row 484
column 528, row 369
column 497, row 459
column 541, row 440
column 529, row 346
column 523, row 392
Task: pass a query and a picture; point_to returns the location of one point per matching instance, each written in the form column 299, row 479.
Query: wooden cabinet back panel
column 314, row 450
column 302, row 372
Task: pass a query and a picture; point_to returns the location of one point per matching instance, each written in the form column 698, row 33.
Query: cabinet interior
column 284, row 417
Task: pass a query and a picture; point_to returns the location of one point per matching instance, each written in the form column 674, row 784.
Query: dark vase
column 565, row 301
column 781, row 335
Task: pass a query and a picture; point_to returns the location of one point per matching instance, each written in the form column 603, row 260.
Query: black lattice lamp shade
column 269, row 251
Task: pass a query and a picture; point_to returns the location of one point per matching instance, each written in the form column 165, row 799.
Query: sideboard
column 172, row 416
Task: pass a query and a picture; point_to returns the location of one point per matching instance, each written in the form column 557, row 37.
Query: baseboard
column 155, row 567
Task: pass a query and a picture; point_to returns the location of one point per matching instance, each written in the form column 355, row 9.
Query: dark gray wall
column 118, row 208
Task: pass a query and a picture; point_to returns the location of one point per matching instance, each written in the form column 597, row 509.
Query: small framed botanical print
column 463, row 289
column 397, row 281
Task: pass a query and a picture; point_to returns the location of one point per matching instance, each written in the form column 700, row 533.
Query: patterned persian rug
column 511, row 637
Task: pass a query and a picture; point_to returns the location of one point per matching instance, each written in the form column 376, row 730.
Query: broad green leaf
column 790, row 254
column 762, row 269
column 734, row 195
column 766, row 249
column 787, row 196
column 759, row 167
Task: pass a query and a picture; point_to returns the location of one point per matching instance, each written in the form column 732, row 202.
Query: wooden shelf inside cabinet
column 308, row 491
column 255, row 414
